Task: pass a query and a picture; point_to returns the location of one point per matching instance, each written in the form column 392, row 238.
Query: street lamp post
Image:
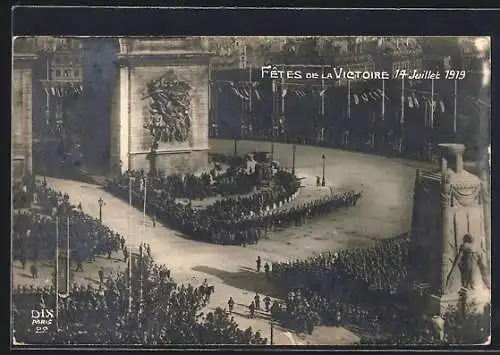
column 101, row 203
column 272, row 333
column 323, row 183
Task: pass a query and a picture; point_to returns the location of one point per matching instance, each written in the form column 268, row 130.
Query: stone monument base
column 476, row 301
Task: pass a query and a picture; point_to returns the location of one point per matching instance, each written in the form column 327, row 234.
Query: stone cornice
column 171, row 58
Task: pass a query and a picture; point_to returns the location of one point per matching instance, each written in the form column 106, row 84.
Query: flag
column 365, row 97
column 283, row 91
column 356, row 99
column 377, row 94
column 322, row 92
column 415, row 101
column 410, row 102
column 379, row 91
column 274, row 86
column 256, row 93
column 53, row 90
column 372, row 95
column 442, row 105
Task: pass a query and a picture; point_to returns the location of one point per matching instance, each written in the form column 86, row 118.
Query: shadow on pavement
column 243, row 279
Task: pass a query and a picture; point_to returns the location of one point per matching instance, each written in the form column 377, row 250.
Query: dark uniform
column 266, row 269
column 34, row 271
column 257, row 301
column 251, row 308
column 230, row 304
column 267, row 302
column 101, row 275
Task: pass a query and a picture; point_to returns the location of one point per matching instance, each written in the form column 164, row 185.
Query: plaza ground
column 384, row 211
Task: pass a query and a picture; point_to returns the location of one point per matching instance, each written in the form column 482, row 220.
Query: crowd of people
column 35, row 231
column 238, row 220
column 362, row 288
column 147, row 307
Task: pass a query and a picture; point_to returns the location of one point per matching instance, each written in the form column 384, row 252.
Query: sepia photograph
column 250, row 190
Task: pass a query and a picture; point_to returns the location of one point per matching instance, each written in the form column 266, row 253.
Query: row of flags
column 59, row 89
column 412, row 100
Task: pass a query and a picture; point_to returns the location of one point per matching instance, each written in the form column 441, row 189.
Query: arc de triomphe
column 142, row 65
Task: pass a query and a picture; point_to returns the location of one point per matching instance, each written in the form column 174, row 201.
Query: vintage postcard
column 250, row 190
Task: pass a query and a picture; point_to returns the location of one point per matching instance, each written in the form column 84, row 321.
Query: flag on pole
column 364, row 97
column 372, row 95
column 283, row 91
column 356, row 99
column 245, row 92
column 322, row 92
column 256, row 93
column 274, row 86
column 415, row 101
column 441, row 103
column 300, row 93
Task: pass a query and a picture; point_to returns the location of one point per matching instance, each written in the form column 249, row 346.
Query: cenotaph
column 450, row 243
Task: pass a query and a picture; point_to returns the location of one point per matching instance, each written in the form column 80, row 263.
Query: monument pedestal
column 449, row 251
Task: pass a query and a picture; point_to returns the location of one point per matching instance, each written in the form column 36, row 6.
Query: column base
column 465, row 301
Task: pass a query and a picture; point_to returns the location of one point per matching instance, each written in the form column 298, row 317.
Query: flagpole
column 129, row 249
column 426, row 117
column 348, row 99
column 322, row 103
column 68, row 265
column 273, row 118
column 250, row 96
column 57, row 272
column 141, row 248
column 251, row 88
column 210, row 94
column 455, row 107
column 432, row 103
column 402, row 101
column 323, row 92
column 283, row 94
column 383, row 99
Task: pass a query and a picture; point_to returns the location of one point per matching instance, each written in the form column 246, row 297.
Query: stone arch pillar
column 24, row 58
column 140, row 61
